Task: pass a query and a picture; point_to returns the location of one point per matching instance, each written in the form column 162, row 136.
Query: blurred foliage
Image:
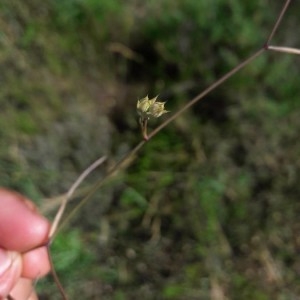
column 209, row 208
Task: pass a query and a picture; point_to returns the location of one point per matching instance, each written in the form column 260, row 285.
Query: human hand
column 22, row 231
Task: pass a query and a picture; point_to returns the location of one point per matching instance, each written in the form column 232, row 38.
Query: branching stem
column 123, row 162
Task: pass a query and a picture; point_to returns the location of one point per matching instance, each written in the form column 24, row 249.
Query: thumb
column 10, row 271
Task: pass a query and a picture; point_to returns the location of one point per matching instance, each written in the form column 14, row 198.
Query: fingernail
column 5, row 261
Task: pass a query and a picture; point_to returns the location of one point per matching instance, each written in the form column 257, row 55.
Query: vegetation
column 209, row 208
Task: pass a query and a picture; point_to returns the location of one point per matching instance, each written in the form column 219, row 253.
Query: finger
column 10, row 271
column 24, row 290
column 35, row 263
column 21, row 227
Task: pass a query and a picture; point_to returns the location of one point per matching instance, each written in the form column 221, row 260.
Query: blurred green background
column 209, row 209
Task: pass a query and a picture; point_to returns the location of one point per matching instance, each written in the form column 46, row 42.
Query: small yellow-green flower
column 150, row 108
column 157, row 109
column 143, row 106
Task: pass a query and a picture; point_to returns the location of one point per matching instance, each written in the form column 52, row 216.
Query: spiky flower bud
column 147, row 108
column 150, row 108
column 157, row 109
column 143, row 107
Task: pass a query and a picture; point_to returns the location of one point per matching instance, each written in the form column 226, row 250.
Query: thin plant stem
column 284, row 49
column 55, row 276
column 59, row 215
column 278, row 21
column 71, row 191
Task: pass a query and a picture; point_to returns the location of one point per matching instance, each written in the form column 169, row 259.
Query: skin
column 23, row 259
